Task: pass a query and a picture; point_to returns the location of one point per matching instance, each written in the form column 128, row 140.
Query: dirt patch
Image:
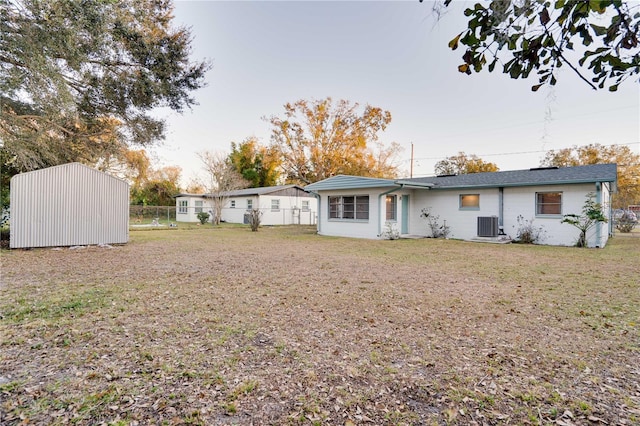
column 225, row 326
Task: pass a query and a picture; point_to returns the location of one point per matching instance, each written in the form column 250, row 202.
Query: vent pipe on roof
column 544, row 168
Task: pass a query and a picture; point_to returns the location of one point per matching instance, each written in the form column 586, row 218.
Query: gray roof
column 528, row 177
column 346, row 182
column 248, row 191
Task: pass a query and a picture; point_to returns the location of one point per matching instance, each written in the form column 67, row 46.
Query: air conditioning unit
column 488, row 226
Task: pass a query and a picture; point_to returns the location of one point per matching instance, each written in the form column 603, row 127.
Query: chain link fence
column 152, row 215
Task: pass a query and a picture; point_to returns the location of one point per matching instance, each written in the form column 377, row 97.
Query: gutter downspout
column 319, row 198
column 599, row 226
column 379, row 201
column 501, row 211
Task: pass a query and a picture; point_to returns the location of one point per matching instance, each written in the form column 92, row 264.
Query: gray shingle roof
column 542, row 176
column 528, row 177
column 248, row 191
column 346, row 182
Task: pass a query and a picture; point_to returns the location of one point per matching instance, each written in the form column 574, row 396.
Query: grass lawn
column 202, row 325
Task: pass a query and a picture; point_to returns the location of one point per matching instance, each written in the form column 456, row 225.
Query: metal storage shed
column 68, row 205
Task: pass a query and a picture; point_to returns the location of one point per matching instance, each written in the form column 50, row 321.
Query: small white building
column 280, row 205
column 68, row 205
column 477, row 205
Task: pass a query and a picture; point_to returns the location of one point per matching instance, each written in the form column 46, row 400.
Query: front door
column 404, row 225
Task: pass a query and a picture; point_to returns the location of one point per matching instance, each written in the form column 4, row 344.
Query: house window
column 183, row 205
column 469, row 201
column 352, row 207
column 249, row 204
column 275, row 205
column 233, row 204
column 198, row 208
column 392, row 207
column 549, row 203
column 305, row 205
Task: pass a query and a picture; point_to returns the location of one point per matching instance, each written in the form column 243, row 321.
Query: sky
column 392, row 55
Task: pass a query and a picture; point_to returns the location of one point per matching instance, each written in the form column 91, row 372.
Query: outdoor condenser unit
column 488, row 226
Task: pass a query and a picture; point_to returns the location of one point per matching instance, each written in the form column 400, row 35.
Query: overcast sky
column 392, row 55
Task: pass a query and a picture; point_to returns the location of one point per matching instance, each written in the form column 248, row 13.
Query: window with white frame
column 469, row 201
column 198, row 205
column 548, row 203
column 183, row 206
column 392, row 207
column 249, row 204
column 355, row 207
column 275, row 205
column 232, row 204
column 305, row 205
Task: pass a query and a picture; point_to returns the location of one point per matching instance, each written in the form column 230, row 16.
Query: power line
column 514, row 153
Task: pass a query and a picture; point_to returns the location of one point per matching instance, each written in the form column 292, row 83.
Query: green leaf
column 536, row 87
column 598, row 29
column 613, row 88
column 597, row 6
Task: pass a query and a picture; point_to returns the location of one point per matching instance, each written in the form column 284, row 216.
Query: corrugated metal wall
column 68, row 205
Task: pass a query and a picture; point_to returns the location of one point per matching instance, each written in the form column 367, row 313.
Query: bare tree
column 222, row 178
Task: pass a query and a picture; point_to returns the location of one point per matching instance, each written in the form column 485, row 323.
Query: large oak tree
column 258, row 164
column 78, row 79
column 628, row 166
column 319, row 139
column 462, row 163
column 597, row 39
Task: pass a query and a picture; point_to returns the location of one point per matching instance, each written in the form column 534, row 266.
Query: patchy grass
column 219, row 325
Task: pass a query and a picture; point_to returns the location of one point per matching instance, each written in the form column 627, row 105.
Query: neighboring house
column 280, row 205
column 68, row 205
column 473, row 205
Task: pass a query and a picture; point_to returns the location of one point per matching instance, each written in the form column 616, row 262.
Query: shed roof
column 75, row 166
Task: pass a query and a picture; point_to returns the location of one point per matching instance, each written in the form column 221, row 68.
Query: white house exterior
column 280, row 205
column 68, row 205
column 473, row 205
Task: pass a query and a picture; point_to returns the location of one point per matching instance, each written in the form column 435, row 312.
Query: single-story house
column 485, row 205
column 280, row 205
column 68, row 205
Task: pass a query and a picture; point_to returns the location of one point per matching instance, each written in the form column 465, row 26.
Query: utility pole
column 411, row 172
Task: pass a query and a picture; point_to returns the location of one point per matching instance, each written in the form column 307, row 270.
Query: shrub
column 437, row 230
column 255, row 217
column 203, row 217
column 592, row 214
column 390, row 232
column 626, row 223
column 529, row 234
